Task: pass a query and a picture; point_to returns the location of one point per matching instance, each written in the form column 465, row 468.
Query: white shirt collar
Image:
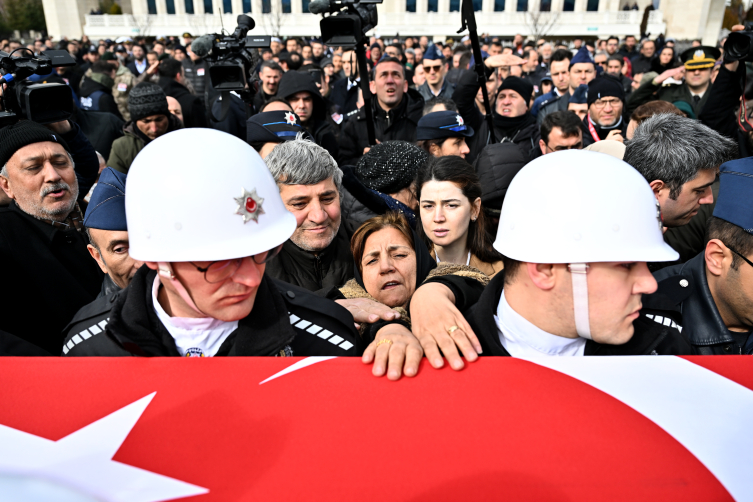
column 524, row 340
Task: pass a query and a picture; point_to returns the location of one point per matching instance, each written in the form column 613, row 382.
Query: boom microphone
column 202, row 46
column 319, row 6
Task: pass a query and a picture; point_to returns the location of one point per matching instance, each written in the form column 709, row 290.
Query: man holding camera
column 47, row 270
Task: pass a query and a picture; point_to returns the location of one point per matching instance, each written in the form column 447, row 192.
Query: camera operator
column 46, row 171
column 720, row 110
column 172, row 80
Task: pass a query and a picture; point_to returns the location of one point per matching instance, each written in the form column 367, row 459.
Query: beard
column 316, row 245
column 38, row 209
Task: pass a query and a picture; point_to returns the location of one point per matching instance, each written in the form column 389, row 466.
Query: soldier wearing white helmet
column 205, row 223
column 575, row 263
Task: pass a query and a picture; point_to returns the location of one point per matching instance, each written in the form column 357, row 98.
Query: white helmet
column 202, row 195
column 578, row 207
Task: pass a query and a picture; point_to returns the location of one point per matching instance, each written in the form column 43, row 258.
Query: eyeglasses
column 741, row 256
column 429, row 69
column 601, row 103
column 218, row 271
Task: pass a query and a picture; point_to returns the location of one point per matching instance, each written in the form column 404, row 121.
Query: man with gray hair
column 317, row 256
column 680, row 159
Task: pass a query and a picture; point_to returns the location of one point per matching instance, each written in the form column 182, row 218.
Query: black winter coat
column 526, row 137
column 650, row 338
column 318, row 273
column 317, row 125
column 194, row 114
column 397, row 124
column 683, row 298
column 101, row 128
column 496, row 166
column 722, row 103
column 48, row 276
column 345, row 100
column 285, row 321
column 105, row 101
column 588, row 138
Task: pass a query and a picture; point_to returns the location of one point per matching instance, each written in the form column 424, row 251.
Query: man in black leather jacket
column 711, row 296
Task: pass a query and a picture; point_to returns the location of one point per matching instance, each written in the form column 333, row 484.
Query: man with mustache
column 47, row 271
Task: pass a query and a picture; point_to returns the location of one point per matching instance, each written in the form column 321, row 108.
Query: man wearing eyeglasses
column 436, row 86
column 711, row 296
column 203, row 291
column 605, row 100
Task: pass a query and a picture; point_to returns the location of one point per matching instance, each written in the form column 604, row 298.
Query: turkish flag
column 243, row 429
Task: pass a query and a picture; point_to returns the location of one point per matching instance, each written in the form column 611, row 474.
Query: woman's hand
column 395, row 351
column 365, row 310
column 433, row 313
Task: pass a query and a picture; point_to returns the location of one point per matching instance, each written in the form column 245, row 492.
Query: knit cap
column 147, row 99
column 24, row 133
column 390, row 166
column 605, row 86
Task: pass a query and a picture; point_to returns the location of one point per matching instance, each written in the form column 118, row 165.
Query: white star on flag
column 290, row 118
column 81, row 463
column 459, row 119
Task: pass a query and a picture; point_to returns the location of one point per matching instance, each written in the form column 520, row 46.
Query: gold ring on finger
column 452, row 329
column 383, row 340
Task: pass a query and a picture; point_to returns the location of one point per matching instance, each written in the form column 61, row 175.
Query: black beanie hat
column 603, row 87
column 23, row 133
column 518, row 85
column 390, row 166
column 147, row 99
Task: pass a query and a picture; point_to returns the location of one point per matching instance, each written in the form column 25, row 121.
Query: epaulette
column 670, row 293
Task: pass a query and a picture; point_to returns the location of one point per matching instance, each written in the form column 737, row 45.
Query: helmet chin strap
column 578, row 273
column 166, row 272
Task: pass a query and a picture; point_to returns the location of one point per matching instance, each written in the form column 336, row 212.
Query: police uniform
column 309, row 326
column 694, row 58
column 274, row 127
column 684, row 298
column 442, row 125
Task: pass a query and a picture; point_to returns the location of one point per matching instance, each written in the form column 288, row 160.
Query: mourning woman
column 453, row 223
column 390, row 262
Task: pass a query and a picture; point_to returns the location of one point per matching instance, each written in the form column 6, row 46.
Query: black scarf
column 508, row 127
column 424, row 263
column 601, row 131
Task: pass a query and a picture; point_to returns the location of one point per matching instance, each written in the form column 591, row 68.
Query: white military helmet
column 579, row 207
column 202, row 195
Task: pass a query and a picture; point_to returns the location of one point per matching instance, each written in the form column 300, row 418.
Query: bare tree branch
column 540, row 23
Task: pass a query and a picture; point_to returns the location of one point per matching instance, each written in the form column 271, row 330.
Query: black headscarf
column 424, row 263
column 660, row 68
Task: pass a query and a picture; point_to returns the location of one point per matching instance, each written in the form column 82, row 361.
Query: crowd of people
column 604, row 208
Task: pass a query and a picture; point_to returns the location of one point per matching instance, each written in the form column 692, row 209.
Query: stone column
column 296, row 7
column 237, row 6
column 443, row 6
column 161, row 7
column 422, row 6
column 256, row 8
column 580, row 5
column 180, row 7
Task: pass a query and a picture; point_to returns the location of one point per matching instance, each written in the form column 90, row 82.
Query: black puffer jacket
column 397, row 124
column 684, row 299
column 331, row 268
column 526, row 136
column 496, row 166
column 318, row 126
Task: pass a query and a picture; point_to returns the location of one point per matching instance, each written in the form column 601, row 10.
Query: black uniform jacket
column 48, row 275
column 285, row 321
column 683, row 298
column 397, row 124
column 331, row 268
column 650, row 338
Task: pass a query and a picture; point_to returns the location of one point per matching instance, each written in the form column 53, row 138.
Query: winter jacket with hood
column 294, row 82
column 526, row 135
column 397, row 124
column 194, row 114
column 95, row 94
column 125, row 149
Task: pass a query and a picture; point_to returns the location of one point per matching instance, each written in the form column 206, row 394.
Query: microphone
column 319, row 6
column 202, row 46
